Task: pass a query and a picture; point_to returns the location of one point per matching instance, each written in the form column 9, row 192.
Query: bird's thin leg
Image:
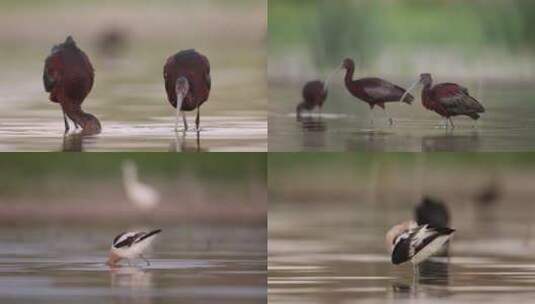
column 451, row 122
column 390, row 120
column 372, row 117
column 144, row 259
column 198, row 119
column 67, row 127
column 415, row 276
column 198, row 142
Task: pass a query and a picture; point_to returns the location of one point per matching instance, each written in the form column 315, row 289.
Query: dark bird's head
column 69, row 41
column 181, row 87
column 90, row 124
column 425, row 79
column 348, row 64
column 432, row 212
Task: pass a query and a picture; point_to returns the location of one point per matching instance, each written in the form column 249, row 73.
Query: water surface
column 347, row 124
column 189, row 264
column 335, row 253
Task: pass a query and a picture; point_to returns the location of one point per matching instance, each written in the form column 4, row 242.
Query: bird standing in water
column 314, row 95
column 448, row 99
column 410, row 242
column 187, row 83
column 68, row 76
column 130, row 245
column 373, row 91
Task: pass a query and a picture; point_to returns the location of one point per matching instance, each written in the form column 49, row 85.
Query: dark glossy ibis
column 68, row 76
column 314, row 95
column 374, row 91
column 187, row 82
column 448, row 99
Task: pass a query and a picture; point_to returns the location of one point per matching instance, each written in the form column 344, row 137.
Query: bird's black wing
column 147, row 235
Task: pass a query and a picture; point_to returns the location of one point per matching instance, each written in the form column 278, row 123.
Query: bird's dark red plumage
column 374, row 91
column 68, row 76
column 196, row 68
column 314, row 95
column 449, row 99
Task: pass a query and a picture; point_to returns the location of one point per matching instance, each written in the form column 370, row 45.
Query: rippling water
column 335, row 253
column 198, row 264
column 346, row 124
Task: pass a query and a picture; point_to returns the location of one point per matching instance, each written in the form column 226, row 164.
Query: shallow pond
column 346, row 124
column 335, row 253
column 189, row 264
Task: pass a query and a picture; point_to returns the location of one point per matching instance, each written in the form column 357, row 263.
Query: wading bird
column 448, row 99
column 314, row 95
column 141, row 195
column 187, row 83
column 374, row 91
column 68, row 76
column 410, row 242
column 130, row 245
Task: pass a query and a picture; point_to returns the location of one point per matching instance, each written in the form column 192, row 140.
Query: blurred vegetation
column 335, row 29
column 362, row 162
column 32, row 170
column 37, row 4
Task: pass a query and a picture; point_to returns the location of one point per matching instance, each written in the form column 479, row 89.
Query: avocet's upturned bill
column 130, row 245
column 409, row 242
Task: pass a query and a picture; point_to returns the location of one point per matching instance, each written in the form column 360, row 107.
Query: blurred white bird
column 141, row 195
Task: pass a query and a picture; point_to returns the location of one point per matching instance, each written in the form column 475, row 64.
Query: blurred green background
column 377, row 178
column 491, row 39
column 58, row 187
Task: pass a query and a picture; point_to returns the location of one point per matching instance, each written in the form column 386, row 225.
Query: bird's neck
column 426, row 95
column 89, row 123
column 349, row 75
column 130, row 178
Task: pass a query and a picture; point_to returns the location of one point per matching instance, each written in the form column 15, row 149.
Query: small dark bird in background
column 314, row 95
column 432, row 212
column 112, row 42
column 489, row 193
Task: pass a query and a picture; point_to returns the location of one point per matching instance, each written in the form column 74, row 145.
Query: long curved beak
column 329, row 78
column 409, row 90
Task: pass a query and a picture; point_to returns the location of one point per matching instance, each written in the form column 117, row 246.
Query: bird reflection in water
column 181, row 144
column 314, row 129
column 451, row 143
column 137, row 280
column 73, row 142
